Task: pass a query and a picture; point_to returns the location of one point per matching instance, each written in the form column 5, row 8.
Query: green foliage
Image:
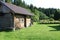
column 18, row 2
column 42, row 16
column 51, row 12
column 32, row 8
column 59, row 19
column 36, row 15
column 9, row 1
column 51, row 19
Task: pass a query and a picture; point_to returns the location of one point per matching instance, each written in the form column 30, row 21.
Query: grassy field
column 36, row 32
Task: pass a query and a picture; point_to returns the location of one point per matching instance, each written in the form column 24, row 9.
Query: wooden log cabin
column 14, row 17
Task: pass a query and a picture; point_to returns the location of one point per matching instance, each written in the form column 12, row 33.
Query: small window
column 21, row 20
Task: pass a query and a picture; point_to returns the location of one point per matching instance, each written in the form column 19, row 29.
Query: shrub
column 59, row 19
column 51, row 19
column 49, row 22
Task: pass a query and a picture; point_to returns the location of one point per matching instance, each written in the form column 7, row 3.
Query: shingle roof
column 17, row 9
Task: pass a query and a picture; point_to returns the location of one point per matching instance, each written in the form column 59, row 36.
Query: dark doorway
column 25, row 21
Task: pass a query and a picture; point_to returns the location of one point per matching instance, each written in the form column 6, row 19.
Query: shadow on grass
column 57, row 28
column 5, row 30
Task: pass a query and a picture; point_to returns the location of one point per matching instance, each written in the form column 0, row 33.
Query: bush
column 49, row 22
column 51, row 19
column 59, row 19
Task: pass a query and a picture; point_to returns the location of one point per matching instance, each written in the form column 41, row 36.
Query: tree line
column 39, row 13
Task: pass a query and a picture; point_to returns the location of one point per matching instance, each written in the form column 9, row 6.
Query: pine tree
column 18, row 2
column 9, row 1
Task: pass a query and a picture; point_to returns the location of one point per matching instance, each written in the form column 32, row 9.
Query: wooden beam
column 14, row 22
column 13, row 14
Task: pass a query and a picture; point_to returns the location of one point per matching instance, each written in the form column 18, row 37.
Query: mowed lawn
column 35, row 32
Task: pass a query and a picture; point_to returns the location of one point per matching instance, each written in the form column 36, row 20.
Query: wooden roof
column 17, row 9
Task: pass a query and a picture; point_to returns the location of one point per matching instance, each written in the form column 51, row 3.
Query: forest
column 51, row 14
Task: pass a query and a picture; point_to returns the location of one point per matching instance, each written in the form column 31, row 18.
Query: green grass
column 36, row 32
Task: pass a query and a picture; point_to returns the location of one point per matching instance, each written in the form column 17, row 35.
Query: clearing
column 36, row 32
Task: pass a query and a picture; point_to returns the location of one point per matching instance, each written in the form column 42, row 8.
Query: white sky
column 44, row 3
